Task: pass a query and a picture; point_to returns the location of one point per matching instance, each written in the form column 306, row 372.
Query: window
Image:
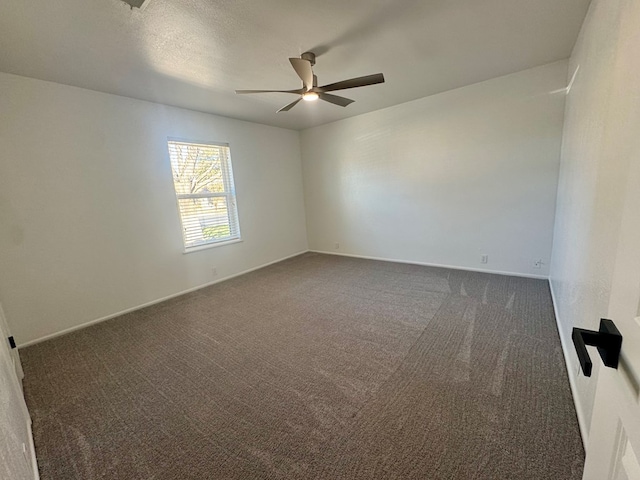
column 203, row 181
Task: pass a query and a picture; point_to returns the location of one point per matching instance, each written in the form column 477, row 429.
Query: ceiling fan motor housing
column 310, row 56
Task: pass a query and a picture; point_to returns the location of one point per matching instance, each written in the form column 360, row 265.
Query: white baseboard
column 153, row 302
column 582, row 423
column 439, row 265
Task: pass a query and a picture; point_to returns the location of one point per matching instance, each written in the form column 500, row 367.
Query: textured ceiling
column 194, row 53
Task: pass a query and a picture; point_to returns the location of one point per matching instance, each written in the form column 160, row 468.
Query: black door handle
column 608, row 340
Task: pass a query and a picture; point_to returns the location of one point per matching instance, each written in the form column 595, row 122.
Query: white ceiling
column 194, row 53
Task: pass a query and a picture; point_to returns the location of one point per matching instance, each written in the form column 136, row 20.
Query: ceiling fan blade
column 336, row 100
column 352, row 83
column 298, row 91
column 286, row 108
column 303, row 69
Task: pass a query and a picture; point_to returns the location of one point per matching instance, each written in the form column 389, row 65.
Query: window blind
column 203, row 182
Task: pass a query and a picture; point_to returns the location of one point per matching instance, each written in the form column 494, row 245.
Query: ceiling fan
column 310, row 90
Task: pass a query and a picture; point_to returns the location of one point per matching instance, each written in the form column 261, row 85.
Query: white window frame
column 229, row 194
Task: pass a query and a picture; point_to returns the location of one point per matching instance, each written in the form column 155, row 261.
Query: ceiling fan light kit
column 310, row 90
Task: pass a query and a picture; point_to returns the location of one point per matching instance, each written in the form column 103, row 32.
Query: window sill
column 211, row 245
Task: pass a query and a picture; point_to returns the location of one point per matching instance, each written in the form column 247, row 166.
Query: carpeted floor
column 318, row 367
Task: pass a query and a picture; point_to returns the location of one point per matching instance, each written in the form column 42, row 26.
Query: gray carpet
column 318, row 367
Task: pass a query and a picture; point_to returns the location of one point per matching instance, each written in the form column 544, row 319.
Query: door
column 16, row 442
column 15, row 357
column 613, row 449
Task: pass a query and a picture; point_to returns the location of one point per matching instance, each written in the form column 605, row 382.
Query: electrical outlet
column 538, row 264
column 337, row 245
column 484, row 259
column 214, row 271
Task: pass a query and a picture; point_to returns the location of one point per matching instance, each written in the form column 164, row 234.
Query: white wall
column 443, row 179
column 89, row 223
column 602, row 119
